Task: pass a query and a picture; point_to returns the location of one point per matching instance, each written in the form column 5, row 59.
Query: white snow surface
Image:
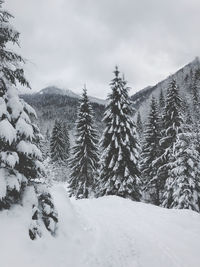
column 29, row 149
column 7, row 131
column 104, row 232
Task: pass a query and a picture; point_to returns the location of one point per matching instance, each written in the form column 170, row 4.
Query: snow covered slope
column 50, row 90
column 183, row 78
column 53, row 90
column 103, row 232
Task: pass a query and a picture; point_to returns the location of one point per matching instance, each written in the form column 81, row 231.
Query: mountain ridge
column 51, row 90
column 183, row 76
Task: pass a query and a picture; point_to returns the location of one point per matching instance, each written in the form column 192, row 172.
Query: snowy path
column 104, row 232
column 129, row 234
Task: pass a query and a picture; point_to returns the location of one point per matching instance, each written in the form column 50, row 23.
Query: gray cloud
column 72, row 42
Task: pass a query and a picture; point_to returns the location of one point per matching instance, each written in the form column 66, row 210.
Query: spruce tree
column 20, row 158
column 10, row 62
column 45, row 145
column 21, row 165
column 150, row 152
column 195, row 111
column 182, row 189
column 195, row 100
column 172, row 115
column 119, row 171
column 172, row 123
column 59, row 148
column 161, row 101
column 57, row 143
column 66, row 140
column 84, row 160
column 187, row 115
column 139, row 126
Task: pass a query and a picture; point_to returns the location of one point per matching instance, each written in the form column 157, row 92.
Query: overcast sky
column 71, row 42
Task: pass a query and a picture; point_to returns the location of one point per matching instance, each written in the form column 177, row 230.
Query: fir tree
column 195, row 99
column 187, row 111
column 161, row 108
column 66, row 140
column 196, row 111
column 57, row 143
column 139, row 126
column 161, row 100
column 84, row 160
column 182, row 189
column 20, row 158
column 48, row 138
column 150, row 152
column 119, row 171
column 45, row 144
column 172, row 121
column 10, row 63
column 21, row 165
column 59, row 148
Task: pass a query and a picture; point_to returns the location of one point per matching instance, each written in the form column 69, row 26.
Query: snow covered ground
column 104, row 232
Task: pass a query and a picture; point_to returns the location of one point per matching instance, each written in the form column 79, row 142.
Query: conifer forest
column 105, row 174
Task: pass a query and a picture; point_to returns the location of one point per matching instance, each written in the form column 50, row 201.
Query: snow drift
column 108, row 231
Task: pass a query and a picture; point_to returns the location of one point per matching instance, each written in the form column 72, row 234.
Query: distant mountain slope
column 54, row 103
column 53, row 90
column 184, row 80
column 57, row 91
column 50, row 107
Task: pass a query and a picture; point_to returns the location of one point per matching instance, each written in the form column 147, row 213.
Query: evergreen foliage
column 161, row 101
column 59, row 144
column 139, row 126
column 59, row 150
column 119, row 171
column 11, row 72
column 66, row 139
column 195, row 100
column 84, row 160
column 20, row 158
column 45, row 145
column 151, row 150
column 171, row 123
column 182, row 188
column 196, row 110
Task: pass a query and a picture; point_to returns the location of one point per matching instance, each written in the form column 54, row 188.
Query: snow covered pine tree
column 196, row 109
column 66, row 140
column 45, row 145
column 59, row 147
column 161, row 101
column 20, row 158
column 172, row 123
column 139, row 126
column 119, row 171
column 182, row 188
column 183, row 185
column 84, row 160
column 150, row 152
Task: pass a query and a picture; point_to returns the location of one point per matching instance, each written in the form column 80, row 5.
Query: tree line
column 156, row 161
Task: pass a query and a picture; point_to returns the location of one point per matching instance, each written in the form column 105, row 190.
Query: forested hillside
column 50, row 107
column 183, row 78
